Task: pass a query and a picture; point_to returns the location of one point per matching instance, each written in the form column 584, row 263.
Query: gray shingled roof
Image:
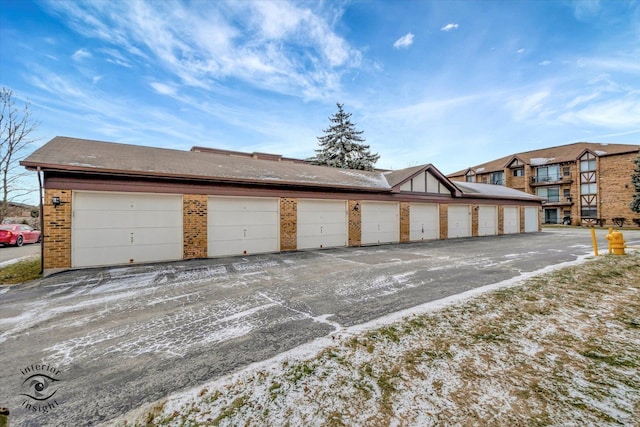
column 81, row 155
column 558, row 154
column 493, row 191
column 72, row 154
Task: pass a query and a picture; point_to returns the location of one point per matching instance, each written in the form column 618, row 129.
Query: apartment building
column 582, row 183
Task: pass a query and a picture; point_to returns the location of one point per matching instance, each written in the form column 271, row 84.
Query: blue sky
column 453, row 83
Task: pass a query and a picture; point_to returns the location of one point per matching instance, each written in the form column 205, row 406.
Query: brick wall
column 615, row 190
column 57, row 230
column 444, row 220
column 474, row 220
column 500, row 219
column 194, row 226
column 522, row 219
column 288, row 224
column 355, row 224
column 405, row 222
column 517, row 182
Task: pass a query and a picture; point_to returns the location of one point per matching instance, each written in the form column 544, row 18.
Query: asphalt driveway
column 121, row 337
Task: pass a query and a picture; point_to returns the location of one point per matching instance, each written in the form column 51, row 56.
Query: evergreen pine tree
column 635, row 180
column 342, row 146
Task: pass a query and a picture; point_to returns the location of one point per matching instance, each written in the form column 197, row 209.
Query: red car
column 18, row 234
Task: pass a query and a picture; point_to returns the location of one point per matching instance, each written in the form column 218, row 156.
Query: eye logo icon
column 39, row 387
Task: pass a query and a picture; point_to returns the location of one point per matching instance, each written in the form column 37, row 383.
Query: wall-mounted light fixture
column 55, row 201
column 356, row 207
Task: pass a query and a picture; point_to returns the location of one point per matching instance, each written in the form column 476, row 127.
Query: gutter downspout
column 41, row 223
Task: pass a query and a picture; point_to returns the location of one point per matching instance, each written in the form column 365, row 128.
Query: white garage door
column 487, row 220
column 119, row 228
column 531, row 221
column 459, row 221
column 322, row 224
column 511, row 219
column 424, row 221
column 380, row 222
column 242, row 225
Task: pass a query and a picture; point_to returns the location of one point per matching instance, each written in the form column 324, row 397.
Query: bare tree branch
column 16, row 127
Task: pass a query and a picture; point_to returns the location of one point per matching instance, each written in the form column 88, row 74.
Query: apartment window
column 518, row 172
column 589, row 212
column 589, row 188
column 566, row 193
column 552, row 194
column 566, row 171
column 547, row 173
column 470, row 176
column 497, row 178
column 588, row 163
column 484, row 179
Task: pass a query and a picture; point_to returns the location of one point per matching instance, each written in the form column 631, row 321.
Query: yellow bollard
column 595, row 242
column 616, row 242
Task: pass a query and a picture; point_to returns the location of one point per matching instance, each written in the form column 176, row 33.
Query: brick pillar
column 288, row 224
column 474, row 220
column 405, row 221
column 521, row 219
column 500, row 220
column 355, row 223
column 444, row 221
column 194, row 226
column 57, row 230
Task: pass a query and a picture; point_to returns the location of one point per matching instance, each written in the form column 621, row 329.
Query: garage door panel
column 114, row 228
column 321, row 224
column 89, row 255
column 511, row 220
column 89, row 220
column 424, row 221
column 459, row 221
column 531, row 219
column 380, row 222
column 487, row 220
column 107, row 237
column 154, row 219
column 242, row 225
column 154, row 251
column 157, row 236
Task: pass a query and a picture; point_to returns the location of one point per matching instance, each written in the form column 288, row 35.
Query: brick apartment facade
column 582, row 183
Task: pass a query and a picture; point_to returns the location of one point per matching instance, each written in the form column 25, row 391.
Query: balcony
column 557, row 202
column 537, row 181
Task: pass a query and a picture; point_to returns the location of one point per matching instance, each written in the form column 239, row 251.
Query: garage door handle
column 131, row 237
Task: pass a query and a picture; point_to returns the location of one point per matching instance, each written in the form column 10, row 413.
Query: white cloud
column 163, row 89
column 404, row 41
column 585, row 10
column 520, row 51
column 276, row 46
column 544, row 63
column 621, row 113
column 81, row 54
column 449, row 27
column 529, row 106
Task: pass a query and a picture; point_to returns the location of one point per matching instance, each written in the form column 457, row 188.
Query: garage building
column 108, row 204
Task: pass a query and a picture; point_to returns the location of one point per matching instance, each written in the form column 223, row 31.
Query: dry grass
column 20, row 272
column 562, row 349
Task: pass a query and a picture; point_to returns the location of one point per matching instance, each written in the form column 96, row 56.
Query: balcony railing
column 548, row 179
column 558, row 201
